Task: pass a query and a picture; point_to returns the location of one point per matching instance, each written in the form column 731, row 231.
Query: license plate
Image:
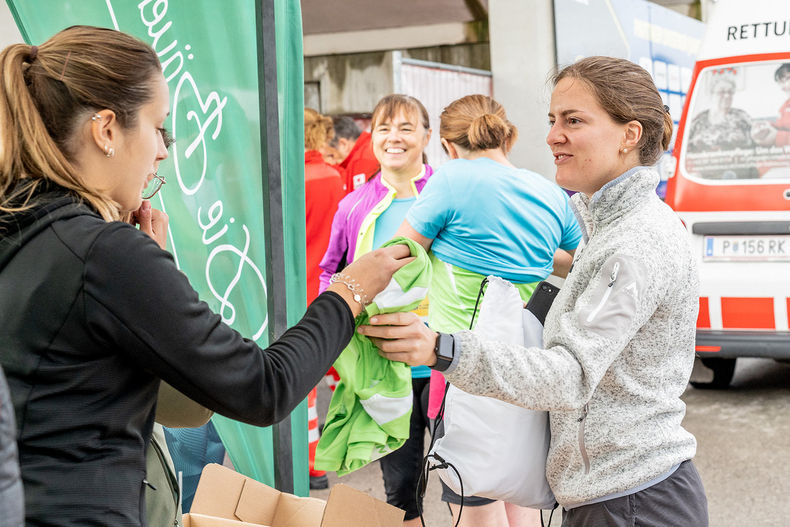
column 767, row 248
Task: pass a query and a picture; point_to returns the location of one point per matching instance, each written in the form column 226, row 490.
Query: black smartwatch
column 445, row 351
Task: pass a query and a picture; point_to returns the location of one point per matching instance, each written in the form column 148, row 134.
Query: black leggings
column 401, row 468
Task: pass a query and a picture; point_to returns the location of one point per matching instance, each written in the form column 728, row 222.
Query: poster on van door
column 739, row 123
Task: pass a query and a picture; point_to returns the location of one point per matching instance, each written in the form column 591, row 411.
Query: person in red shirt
column 352, row 146
column 776, row 133
column 323, row 189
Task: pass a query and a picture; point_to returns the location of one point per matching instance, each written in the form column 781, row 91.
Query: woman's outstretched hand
column 402, row 337
column 152, row 221
column 371, row 273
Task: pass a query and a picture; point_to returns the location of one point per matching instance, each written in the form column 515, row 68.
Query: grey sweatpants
column 679, row 500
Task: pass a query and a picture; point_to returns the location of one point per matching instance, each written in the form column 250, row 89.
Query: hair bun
column 477, row 122
column 487, row 131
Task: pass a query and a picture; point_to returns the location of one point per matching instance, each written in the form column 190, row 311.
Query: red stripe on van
column 703, row 318
column 747, row 313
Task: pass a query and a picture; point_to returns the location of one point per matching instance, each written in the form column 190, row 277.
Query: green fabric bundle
column 369, row 412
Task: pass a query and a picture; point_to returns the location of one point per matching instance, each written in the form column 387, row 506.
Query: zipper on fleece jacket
column 582, row 447
column 605, row 297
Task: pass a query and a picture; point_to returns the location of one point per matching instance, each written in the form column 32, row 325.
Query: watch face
column 445, row 346
column 445, row 351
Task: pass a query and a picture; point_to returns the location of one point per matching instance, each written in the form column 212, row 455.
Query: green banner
column 213, row 194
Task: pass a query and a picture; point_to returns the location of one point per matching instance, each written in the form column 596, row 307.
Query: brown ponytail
column 46, row 91
column 477, row 122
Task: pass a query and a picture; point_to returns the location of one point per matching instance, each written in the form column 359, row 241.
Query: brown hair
column 390, row 105
column 477, row 122
column 318, row 129
column 626, row 92
column 46, row 91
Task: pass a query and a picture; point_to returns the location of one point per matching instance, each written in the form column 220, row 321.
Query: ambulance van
column 731, row 183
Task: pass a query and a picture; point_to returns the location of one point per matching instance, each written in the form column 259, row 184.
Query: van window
column 738, row 125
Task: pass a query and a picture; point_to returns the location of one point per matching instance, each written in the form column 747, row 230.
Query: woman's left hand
column 153, row 222
column 402, row 337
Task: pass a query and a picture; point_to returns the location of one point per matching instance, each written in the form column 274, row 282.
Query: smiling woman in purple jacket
column 367, row 218
column 400, row 132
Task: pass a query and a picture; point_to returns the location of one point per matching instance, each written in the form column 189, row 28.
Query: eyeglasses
column 153, row 186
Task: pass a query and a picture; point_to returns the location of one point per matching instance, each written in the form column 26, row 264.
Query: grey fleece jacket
column 619, row 348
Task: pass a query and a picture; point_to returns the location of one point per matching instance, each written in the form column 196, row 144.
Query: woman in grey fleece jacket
column 619, row 338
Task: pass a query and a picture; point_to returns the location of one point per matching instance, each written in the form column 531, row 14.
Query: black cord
column 479, row 294
column 554, row 508
column 422, row 481
column 460, row 482
column 441, row 465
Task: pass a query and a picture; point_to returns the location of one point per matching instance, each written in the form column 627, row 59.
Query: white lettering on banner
column 153, row 15
column 244, row 261
column 200, row 140
column 212, row 220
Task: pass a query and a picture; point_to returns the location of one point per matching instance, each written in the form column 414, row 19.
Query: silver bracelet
column 356, row 290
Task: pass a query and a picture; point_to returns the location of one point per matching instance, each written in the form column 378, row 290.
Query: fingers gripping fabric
column 369, row 413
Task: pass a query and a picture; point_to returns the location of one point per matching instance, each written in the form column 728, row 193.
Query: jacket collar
column 381, row 188
column 412, row 182
column 614, row 199
column 383, row 194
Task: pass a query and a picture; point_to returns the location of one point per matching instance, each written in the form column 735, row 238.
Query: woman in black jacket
column 93, row 313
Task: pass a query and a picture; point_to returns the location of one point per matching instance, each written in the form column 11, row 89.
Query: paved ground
column 743, row 439
column 743, row 455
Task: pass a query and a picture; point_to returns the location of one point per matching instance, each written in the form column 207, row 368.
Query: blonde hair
column 477, row 122
column 627, row 93
column 46, row 91
column 318, row 129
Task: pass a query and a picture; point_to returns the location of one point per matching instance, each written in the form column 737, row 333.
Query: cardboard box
column 225, row 498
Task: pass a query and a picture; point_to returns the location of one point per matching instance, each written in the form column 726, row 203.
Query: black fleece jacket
column 92, row 315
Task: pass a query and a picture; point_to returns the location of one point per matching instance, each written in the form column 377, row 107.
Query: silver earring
column 109, row 151
column 625, row 150
column 96, row 117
